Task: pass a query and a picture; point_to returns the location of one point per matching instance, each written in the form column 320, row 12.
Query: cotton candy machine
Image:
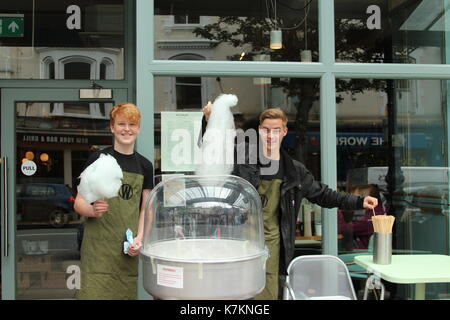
column 204, row 239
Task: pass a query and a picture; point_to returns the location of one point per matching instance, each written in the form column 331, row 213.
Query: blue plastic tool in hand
column 129, row 242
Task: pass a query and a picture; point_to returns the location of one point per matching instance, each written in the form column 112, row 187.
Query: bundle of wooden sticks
column 382, row 223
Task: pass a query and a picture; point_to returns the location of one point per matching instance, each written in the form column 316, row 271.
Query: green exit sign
column 11, row 25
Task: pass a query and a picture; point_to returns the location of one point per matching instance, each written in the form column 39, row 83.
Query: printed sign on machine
column 169, row 276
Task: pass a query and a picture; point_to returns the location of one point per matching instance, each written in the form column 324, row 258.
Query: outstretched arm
column 324, row 196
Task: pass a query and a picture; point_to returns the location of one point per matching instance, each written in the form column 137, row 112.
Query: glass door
column 47, row 135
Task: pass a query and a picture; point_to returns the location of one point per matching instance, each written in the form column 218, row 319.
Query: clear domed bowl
column 204, row 239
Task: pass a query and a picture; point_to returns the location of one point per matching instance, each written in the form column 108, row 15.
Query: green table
column 417, row 269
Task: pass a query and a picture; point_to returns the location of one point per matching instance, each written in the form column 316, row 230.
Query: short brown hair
column 126, row 110
column 365, row 190
column 273, row 113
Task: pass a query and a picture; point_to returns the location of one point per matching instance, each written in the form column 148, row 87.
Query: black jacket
column 298, row 183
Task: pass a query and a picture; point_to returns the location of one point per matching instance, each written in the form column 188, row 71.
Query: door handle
column 5, row 243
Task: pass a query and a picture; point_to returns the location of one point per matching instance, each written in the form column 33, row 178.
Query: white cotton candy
column 217, row 148
column 101, row 179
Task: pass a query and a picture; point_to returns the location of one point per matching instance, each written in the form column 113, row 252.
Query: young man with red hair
column 106, row 272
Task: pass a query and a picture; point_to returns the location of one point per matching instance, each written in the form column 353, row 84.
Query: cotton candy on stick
column 101, row 179
column 217, row 147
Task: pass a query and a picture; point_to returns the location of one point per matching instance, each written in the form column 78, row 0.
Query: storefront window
column 38, row 38
column 391, row 31
column 237, row 30
column 49, row 232
column 299, row 98
column 390, row 144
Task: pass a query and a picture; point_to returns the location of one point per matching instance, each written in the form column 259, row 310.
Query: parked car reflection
column 45, row 203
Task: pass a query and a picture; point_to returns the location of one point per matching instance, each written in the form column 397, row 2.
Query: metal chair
column 318, row 277
column 357, row 272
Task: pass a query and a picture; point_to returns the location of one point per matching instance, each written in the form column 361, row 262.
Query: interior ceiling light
column 305, row 54
column 276, row 41
column 44, row 157
column 29, row 155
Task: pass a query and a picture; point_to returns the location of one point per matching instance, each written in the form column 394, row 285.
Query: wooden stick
column 383, row 223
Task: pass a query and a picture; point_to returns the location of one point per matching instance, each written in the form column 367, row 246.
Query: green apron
column 106, row 272
column 269, row 190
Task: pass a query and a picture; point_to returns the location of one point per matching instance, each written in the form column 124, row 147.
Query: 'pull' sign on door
column 29, row 168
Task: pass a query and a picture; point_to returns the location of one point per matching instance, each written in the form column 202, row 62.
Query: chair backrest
column 319, row 277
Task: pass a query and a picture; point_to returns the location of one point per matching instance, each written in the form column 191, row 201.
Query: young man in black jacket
column 282, row 183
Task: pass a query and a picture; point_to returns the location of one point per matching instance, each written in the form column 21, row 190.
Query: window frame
column 327, row 70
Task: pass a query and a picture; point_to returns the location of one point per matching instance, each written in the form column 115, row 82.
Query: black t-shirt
column 132, row 163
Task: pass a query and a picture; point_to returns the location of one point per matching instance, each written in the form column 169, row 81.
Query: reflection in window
column 49, row 68
column 37, row 190
column 102, row 108
column 45, row 34
column 102, row 71
column 241, row 28
column 391, row 138
column 391, row 31
column 106, row 69
column 76, row 108
column 189, row 92
column 89, row 110
column 77, row 70
column 75, row 64
column 186, row 19
column 299, row 98
column 77, row 67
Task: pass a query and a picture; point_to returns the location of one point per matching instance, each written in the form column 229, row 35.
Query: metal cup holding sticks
column 382, row 249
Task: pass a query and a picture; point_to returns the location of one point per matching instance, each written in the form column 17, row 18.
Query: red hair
column 127, row 110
